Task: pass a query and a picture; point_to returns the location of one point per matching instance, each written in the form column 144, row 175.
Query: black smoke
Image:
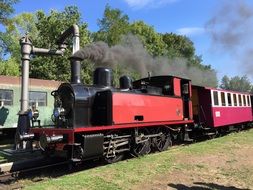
column 132, row 55
column 231, row 30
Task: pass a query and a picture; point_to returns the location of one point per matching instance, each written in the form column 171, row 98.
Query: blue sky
column 187, row 17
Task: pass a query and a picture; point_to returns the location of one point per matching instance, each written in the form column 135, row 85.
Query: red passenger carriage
column 221, row 108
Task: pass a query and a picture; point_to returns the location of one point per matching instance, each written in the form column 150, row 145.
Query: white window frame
column 237, row 100
column 242, row 100
column 239, row 95
column 231, row 99
column 221, row 104
column 249, row 101
column 219, row 98
column 246, row 100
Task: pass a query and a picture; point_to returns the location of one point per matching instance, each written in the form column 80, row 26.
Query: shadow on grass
column 203, row 186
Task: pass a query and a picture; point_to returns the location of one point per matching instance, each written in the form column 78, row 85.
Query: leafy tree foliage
column 9, row 67
column 18, row 27
column 236, row 83
column 152, row 41
column 44, row 29
column 6, row 9
column 49, row 29
column 112, row 26
column 178, row 46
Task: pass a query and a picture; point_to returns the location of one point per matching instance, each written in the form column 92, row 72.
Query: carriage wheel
column 163, row 141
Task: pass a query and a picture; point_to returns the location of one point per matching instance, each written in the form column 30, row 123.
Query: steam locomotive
column 100, row 121
column 149, row 114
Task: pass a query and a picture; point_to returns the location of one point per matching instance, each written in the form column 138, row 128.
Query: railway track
column 12, row 170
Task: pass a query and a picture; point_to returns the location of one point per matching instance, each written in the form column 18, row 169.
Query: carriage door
column 186, row 96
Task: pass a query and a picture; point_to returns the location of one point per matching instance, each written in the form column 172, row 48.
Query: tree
column 151, row 40
column 15, row 29
column 236, row 83
column 225, row 82
column 49, row 29
column 6, row 9
column 178, row 46
column 18, row 27
column 9, row 67
column 112, row 26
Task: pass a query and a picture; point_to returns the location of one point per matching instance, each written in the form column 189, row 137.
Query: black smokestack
column 75, row 71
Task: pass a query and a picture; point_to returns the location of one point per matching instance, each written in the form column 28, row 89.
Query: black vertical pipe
column 75, row 71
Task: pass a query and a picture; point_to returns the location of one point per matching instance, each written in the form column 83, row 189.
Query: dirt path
column 228, row 170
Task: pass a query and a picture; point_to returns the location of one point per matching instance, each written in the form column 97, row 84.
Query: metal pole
column 26, row 48
column 73, row 30
column 76, row 38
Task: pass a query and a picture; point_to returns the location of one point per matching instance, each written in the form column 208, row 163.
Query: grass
column 129, row 173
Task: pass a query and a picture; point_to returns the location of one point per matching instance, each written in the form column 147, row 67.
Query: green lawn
column 130, row 173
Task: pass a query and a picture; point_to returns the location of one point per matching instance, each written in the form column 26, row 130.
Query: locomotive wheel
column 74, row 152
column 162, row 142
column 142, row 148
column 116, row 158
column 78, row 152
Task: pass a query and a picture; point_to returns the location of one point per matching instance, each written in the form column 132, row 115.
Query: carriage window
column 37, row 98
column 223, row 102
column 240, row 99
column 229, row 99
column 6, row 97
column 215, row 98
column 235, row 99
column 248, row 100
column 244, row 100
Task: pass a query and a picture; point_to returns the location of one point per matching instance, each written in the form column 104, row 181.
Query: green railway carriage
column 39, row 96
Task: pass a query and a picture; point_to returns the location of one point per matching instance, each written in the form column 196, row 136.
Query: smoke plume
column 131, row 55
column 231, row 30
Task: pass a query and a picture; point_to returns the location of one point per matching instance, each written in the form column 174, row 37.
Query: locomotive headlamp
column 58, row 112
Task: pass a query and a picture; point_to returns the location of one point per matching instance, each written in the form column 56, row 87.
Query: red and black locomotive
column 102, row 121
